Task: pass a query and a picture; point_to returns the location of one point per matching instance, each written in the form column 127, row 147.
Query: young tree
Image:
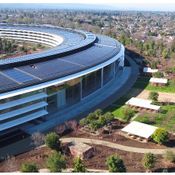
column 37, row 139
column 170, row 156
column 78, row 165
column 10, row 164
column 56, row 162
column 153, row 96
column 115, row 164
column 60, row 129
column 29, row 167
column 52, row 141
column 148, row 161
column 160, row 136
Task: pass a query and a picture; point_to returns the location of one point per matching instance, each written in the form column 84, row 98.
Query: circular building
column 36, row 88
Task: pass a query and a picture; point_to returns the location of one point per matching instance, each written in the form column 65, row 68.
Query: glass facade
column 69, row 93
column 108, row 73
column 91, row 82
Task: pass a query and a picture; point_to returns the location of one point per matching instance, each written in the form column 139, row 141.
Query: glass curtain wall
column 91, row 82
column 108, row 73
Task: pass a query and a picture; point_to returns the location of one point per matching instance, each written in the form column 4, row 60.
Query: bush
column 28, row 167
column 98, row 112
column 170, row 156
column 160, row 136
column 158, row 75
column 78, row 165
column 115, row 164
column 83, row 122
column 148, row 161
column 52, row 141
column 128, row 113
column 109, row 116
column 153, row 96
column 56, row 162
column 94, row 125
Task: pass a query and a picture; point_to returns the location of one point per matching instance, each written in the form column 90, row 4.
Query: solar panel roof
column 19, row 76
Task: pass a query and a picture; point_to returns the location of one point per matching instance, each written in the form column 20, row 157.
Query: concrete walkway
column 116, row 146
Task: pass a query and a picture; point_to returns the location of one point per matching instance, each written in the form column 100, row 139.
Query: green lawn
column 165, row 119
column 143, row 83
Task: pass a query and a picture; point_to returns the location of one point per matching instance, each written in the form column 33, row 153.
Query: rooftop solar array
column 19, row 76
column 72, row 40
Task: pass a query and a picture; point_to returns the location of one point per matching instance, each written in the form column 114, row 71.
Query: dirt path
column 116, row 146
column 163, row 97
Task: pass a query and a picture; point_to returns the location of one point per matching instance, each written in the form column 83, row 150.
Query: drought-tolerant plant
column 148, row 161
column 56, row 162
column 160, row 136
column 170, row 156
column 78, row 165
column 29, row 167
column 52, row 141
column 115, row 164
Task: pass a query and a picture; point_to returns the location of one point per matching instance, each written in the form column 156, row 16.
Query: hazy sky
column 156, row 5
column 91, row 1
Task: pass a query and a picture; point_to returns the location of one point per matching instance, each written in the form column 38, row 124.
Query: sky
column 92, row 1
column 154, row 5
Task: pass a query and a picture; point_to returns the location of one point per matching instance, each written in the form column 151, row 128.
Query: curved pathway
column 116, row 146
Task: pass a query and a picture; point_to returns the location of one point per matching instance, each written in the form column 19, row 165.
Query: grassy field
column 143, row 83
column 165, row 119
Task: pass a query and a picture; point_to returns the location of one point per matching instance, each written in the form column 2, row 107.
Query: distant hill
column 55, row 6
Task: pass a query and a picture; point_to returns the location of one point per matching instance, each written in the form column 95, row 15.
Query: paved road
column 116, row 146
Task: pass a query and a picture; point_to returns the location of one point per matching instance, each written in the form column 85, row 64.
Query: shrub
column 153, row 96
column 56, row 162
column 98, row 112
column 160, row 136
column 128, row 113
column 52, row 141
column 148, row 161
column 158, row 75
column 83, row 122
column 115, row 164
column 94, row 125
column 109, row 116
column 78, row 165
column 28, row 167
column 170, row 156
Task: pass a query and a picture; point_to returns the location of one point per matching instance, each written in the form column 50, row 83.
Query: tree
column 109, row 116
column 78, row 165
column 10, row 164
column 52, row 141
column 56, row 162
column 148, row 161
column 37, row 139
column 165, row 53
column 160, row 136
column 153, row 96
column 128, row 113
column 29, row 167
column 170, row 156
column 115, row 164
